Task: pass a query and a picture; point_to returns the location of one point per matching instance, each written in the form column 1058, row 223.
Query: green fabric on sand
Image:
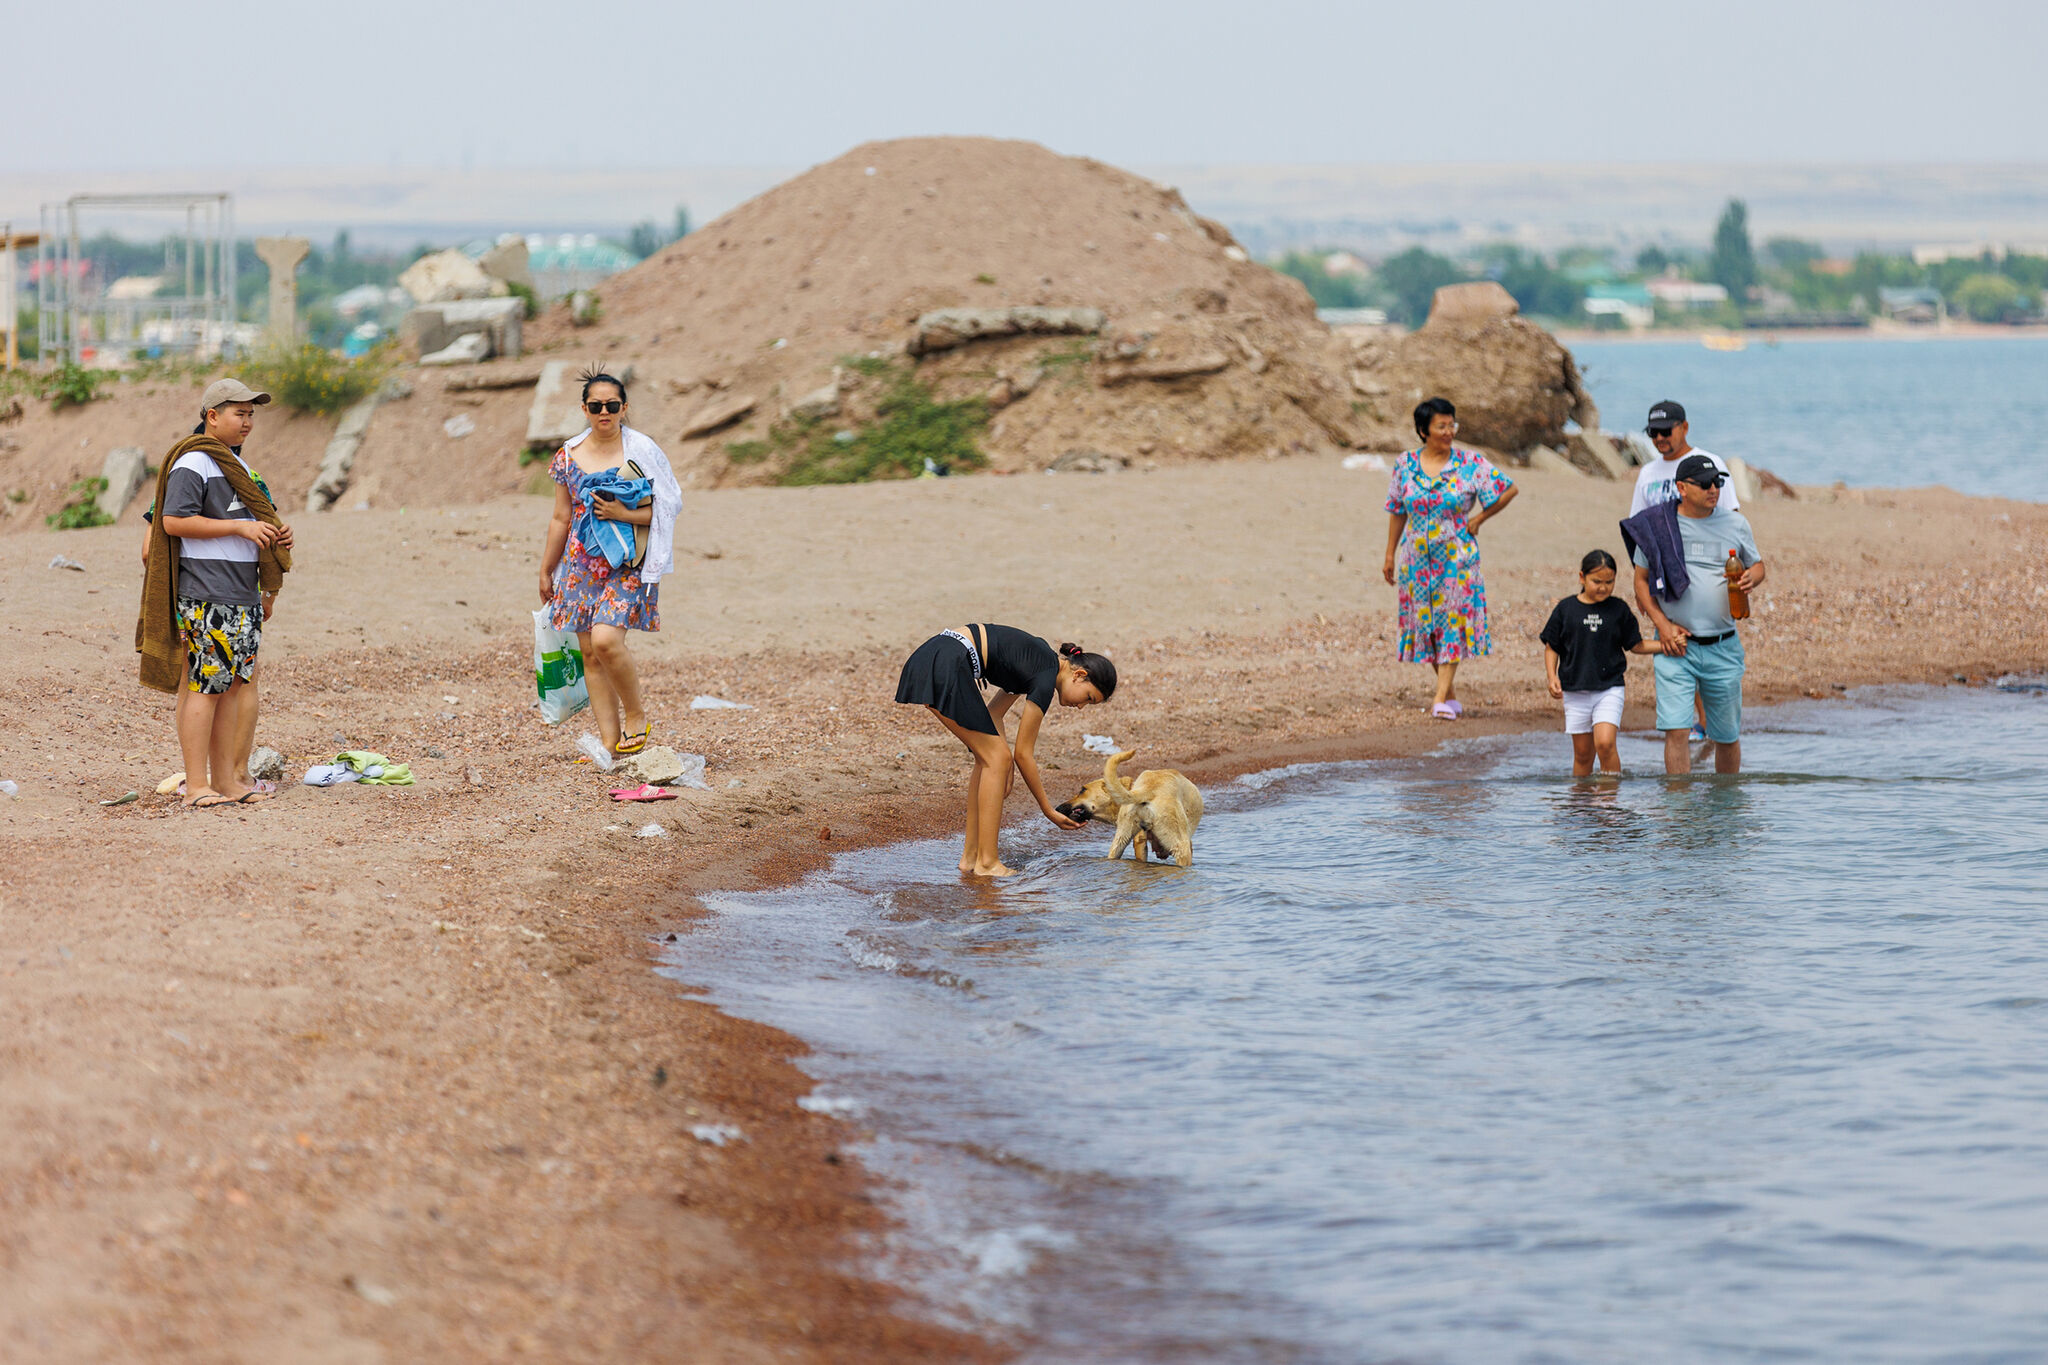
column 361, row 760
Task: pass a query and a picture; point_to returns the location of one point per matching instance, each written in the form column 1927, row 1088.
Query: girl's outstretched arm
column 1027, row 764
column 1647, row 647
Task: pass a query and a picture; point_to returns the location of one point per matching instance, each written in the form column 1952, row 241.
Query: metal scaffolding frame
column 76, row 320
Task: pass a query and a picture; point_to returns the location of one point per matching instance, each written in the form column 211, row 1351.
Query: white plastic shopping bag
column 557, row 671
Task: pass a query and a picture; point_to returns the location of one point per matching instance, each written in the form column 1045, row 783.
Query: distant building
column 1832, row 265
column 563, row 264
column 1911, row 305
column 1629, row 302
column 1677, row 293
column 1344, row 263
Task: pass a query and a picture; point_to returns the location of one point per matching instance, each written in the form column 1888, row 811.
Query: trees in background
column 1733, row 262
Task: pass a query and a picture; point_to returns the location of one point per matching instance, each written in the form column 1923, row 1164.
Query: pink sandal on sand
column 646, row 791
column 1442, row 711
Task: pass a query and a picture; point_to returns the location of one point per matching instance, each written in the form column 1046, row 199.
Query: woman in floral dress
column 1436, row 501
column 590, row 597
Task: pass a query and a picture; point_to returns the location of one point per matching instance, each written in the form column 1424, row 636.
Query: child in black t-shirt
column 1586, row 644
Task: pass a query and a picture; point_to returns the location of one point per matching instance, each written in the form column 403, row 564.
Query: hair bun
column 1071, row 650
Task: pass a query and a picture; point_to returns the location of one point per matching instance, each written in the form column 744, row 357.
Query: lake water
column 1456, row 1059
column 1971, row 414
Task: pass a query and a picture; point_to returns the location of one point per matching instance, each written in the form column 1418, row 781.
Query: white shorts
column 1584, row 710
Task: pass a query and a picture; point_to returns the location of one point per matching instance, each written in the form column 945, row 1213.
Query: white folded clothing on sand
column 1098, row 744
column 329, row 774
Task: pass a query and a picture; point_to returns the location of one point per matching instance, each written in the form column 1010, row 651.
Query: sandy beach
column 386, row 1075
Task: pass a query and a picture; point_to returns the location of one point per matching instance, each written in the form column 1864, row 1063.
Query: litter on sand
column 1098, row 744
column 716, row 1134
column 692, row 774
column 702, row 703
column 593, row 748
column 650, row 830
column 10, row 789
column 60, row 562
column 461, row 424
column 328, row 775
column 123, row 799
column 175, row 782
column 646, row 791
column 1367, row 462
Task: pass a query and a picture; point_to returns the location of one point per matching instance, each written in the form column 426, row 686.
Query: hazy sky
column 1138, row 82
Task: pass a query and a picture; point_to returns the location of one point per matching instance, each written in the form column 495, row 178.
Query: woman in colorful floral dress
column 1437, row 500
column 590, row 597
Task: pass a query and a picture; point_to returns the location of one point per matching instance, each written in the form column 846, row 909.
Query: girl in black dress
column 946, row 676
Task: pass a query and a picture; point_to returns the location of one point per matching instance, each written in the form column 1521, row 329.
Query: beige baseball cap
column 229, row 391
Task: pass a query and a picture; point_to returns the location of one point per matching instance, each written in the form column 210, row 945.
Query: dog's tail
column 1114, row 785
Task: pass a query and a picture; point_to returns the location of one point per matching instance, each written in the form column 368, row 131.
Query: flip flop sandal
column 265, row 786
column 646, row 791
column 633, row 744
column 1457, row 708
column 251, row 797
column 1443, row 711
column 208, row 801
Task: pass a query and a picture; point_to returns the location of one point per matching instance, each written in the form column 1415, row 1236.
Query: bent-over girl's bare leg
column 985, row 791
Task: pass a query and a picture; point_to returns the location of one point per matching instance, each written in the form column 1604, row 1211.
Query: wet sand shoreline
column 397, row 1060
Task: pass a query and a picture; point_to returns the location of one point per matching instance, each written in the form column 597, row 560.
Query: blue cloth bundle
column 612, row 539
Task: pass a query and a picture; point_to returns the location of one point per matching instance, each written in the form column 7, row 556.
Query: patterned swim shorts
column 221, row 641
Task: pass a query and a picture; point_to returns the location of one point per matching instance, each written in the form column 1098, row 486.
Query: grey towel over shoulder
column 1654, row 531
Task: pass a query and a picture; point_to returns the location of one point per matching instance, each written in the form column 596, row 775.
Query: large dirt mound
column 1202, row 352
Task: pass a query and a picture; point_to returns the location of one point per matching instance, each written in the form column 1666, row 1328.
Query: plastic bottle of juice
column 1738, row 600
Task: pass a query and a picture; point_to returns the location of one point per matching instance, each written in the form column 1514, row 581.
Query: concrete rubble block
column 1162, row 370
column 945, row 328
column 1477, row 301
column 557, row 411
column 721, row 411
column 435, row 327
column 1743, row 479
column 508, row 261
column 657, row 764
column 1087, row 462
column 446, row 276
column 340, row 457
column 467, row 349
column 816, row 405
column 1548, row 461
column 1593, row 451
column 124, row 472
column 497, row 377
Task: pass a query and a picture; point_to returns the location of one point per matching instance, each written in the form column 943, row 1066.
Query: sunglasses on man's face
column 1660, row 433
column 597, row 405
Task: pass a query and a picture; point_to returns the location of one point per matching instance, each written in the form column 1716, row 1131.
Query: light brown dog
column 1160, row 804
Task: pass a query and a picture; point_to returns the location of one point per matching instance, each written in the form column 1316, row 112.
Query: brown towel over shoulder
column 156, row 627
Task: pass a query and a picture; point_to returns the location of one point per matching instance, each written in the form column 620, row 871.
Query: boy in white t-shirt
column 1657, row 481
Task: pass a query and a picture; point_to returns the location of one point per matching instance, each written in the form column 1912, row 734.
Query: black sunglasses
column 597, row 405
column 1658, row 433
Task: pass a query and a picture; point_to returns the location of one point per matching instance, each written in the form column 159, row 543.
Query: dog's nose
column 1065, row 808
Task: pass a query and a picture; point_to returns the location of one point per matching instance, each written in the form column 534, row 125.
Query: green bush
column 524, row 293
column 314, row 379
column 71, row 385
column 910, row 428
column 83, row 510
column 537, row 452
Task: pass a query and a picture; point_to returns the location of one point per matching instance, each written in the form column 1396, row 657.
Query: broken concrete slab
column 944, row 328
column 466, row 349
column 719, row 412
column 495, row 377
column 816, row 405
column 124, row 472
column 508, row 261
column 340, row 457
column 434, row 327
column 1112, row 374
column 446, row 276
